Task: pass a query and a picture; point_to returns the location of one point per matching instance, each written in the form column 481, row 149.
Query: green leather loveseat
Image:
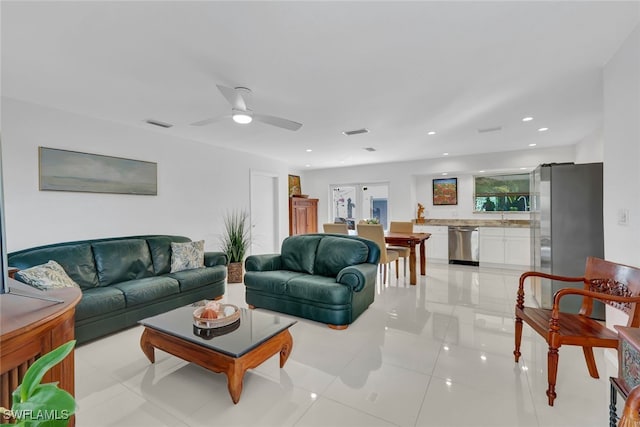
column 125, row 279
column 328, row 278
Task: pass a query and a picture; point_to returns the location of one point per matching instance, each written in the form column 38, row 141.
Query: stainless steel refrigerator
column 566, row 227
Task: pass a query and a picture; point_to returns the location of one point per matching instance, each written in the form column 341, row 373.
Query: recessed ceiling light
column 445, row 173
column 481, row 171
column 543, row 129
column 532, row 144
column 307, row 166
column 445, row 154
column 431, row 132
column 309, row 150
column 523, row 169
column 527, row 119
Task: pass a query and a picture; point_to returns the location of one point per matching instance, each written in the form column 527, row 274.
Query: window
column 502, row 193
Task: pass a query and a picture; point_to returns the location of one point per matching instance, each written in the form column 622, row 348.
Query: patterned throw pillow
column 185, row 256
column 47, row 276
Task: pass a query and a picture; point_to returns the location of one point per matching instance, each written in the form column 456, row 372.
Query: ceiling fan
column 241, row 113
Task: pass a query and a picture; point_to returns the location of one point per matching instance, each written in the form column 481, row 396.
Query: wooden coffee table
column 258, row 337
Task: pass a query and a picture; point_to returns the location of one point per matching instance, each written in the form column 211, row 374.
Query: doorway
column 264, row 230
column 351, row 203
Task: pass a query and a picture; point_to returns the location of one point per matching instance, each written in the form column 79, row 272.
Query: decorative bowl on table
column 208, row 333
column 215, row 315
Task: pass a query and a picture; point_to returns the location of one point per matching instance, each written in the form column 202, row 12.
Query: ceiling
column 399, row 69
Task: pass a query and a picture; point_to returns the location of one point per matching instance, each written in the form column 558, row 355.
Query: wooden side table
column 628, row 368
column 30, row 328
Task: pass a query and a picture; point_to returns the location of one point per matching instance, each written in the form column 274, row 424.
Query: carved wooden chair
column 614, row 284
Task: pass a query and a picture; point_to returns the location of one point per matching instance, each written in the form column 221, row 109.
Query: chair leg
column 384, row 274
column 552, row 373
column 405, row 265
column 591, row 361
column 518, row 339
column 397, row 268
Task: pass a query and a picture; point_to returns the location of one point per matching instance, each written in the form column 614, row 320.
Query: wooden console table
column 628, row 372
column 30, row 328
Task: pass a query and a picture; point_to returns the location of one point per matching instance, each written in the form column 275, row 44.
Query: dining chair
column 403, row 251
column 336, row 228
column 375, row 233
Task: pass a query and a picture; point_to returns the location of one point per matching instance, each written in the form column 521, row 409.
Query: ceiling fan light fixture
column 242, row 117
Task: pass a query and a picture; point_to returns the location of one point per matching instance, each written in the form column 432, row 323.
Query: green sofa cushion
column 76, row 259
column 273, row 282
column 197, row 277
column 298, row 253
column 122, row 260
column 146, row 290
column 160, row 247
column 335, row 253
column 319, row 289
column 98, row 301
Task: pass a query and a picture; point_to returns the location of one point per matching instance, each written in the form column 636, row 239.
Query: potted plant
column 35, row 404
column 235, row 243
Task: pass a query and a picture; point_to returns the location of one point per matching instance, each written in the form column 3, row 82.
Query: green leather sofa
column 329, row 278
column 125, row 279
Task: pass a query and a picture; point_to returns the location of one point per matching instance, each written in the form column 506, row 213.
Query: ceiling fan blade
column 205, row 121
column 277, row 121
column 233, row 97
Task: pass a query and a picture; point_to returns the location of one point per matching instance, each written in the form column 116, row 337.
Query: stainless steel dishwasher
column 463, row 245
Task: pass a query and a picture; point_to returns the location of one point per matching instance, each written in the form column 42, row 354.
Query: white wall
column 622, row 151
column 197, row 183
column 622, row 157
column 591, row 148
column 410, row 182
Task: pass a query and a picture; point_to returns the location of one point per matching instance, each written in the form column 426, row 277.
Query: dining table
column 411, row 240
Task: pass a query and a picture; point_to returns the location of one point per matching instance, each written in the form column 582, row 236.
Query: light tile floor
column 435, row 354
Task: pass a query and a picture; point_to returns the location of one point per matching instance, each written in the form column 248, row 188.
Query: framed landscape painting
column 445, row 191
column 63, row 170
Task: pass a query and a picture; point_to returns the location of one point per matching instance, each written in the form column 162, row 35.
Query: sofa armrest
column 211, row 259
column 264, row 262
column 355, row 276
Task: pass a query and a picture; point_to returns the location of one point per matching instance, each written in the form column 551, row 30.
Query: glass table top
column 252, row 329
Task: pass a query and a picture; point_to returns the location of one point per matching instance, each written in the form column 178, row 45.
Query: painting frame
column 75, row 171
column 445, row 191
column 295, row 188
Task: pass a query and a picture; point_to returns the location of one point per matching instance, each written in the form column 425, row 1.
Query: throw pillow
column 188, row 255
column 50, row 275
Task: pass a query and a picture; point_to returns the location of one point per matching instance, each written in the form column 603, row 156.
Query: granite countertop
column 510, row 223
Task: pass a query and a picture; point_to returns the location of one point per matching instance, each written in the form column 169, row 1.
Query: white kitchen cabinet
column 517, row 246
column 491, row 245
column 504, row 246
column 438, row 243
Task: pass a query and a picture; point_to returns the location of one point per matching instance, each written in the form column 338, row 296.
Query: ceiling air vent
column 371, row 149
column 355, row 132
column 493, row 129
column 158, row 123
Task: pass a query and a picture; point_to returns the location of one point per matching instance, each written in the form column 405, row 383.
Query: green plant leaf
column 48, row 405
column 235, row 241
column 34, row 374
